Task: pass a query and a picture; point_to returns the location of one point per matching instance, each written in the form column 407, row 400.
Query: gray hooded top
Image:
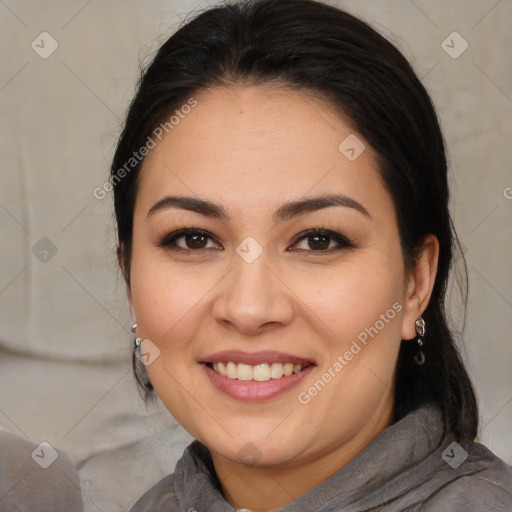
column 411, row 466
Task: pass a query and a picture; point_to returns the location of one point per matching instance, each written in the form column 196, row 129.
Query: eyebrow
column 284, row 212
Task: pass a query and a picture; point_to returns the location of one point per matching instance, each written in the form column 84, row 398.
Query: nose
column 252, row 298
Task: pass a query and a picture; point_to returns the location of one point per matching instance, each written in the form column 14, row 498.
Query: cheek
column 352, row 298
column 359, row 311
column 169, row 303
column 167, row 298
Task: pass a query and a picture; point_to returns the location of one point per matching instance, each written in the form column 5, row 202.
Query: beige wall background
column 65, row 343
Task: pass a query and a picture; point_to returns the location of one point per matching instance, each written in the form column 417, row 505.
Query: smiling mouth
column 259, row 372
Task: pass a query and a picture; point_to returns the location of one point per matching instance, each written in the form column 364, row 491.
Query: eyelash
column 169, row 241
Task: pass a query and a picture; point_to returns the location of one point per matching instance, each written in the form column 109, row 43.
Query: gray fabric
column 36, row 478
column 401, row 470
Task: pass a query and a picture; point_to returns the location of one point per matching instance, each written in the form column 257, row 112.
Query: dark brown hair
column 316, row 48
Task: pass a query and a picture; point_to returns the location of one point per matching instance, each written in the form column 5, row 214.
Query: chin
column 257, row 452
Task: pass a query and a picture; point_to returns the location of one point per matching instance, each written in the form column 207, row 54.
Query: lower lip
column 253, row 390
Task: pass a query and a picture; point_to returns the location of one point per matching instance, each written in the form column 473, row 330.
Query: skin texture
column 251, row 149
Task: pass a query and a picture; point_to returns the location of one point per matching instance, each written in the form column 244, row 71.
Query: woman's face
column 251, row 291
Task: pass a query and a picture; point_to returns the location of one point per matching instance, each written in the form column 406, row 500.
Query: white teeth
column 231, row 370
column 260, row 372
column 288, row 369
column 276, row 371
column 244, row 372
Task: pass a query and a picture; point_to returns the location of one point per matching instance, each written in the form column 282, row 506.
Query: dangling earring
column 136, row 341
column 419, row 358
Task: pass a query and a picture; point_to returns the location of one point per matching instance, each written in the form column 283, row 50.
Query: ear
column 420, row 284
column 122, row 265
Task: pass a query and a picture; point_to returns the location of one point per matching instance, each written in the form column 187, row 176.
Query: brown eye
column 320, row 240
column 195, row 241
column 317, row 242
column 187, row 240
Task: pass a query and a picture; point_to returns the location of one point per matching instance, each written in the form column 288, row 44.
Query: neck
column 267, row 488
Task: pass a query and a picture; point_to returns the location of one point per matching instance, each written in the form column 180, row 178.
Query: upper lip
column 254, row 358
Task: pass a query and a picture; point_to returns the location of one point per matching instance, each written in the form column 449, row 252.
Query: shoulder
column 38, row 477
column 483, row 481
column 158, row 498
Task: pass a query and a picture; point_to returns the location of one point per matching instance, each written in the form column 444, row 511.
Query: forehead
column 250, row 146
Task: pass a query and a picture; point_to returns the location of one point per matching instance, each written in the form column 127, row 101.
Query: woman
column 281, row 199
